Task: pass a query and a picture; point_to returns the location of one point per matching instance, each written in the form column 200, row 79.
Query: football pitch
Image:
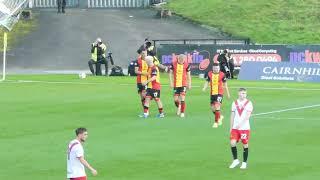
column 39, row 114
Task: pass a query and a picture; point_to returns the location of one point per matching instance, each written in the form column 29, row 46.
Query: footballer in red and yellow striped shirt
column 181, row 81
column 141, row 69
column 218, row 82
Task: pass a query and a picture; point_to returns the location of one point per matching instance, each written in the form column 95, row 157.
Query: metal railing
column 92, row 3
column 202, row 41
column 51, row 3
column 117, row 3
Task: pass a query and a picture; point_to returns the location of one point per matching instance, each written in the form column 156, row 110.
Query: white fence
column 118, row 3
column 51, row 3
column 92, row 3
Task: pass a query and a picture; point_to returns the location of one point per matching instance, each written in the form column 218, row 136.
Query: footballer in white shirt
column 240, row 127
column 75, row 157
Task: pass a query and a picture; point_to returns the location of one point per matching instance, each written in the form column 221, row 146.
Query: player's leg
column 213, row 109
column 159, row 103
column 142, row 93
column 147, row 103
column 183, row 103
column 218, row 109
column 176, row 100
column 244, row 135
column 234, row 137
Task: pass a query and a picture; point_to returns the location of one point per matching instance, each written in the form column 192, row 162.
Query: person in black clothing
column 231, row 64
column 61, row 5
column 223, row 62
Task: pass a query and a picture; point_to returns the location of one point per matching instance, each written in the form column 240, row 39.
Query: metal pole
column 5, row 40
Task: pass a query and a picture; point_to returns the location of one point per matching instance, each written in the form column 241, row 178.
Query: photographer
column 98, row 57
column 223, row 62
column 231, row 64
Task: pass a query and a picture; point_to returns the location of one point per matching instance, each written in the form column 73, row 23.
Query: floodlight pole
column 5, row 41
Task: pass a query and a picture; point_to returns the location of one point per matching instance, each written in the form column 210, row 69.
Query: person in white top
column 240, row 127
column 75, row 157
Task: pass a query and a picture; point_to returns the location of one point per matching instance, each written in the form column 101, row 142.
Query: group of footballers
column 148, row 83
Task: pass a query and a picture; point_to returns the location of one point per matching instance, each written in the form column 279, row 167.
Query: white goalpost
column 9, row 15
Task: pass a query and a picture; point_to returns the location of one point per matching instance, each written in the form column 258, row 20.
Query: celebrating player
column 153, row 90
column 240, row 127
column 141, row 69
column 180, row 69
column 75, row 157
column 217, row 81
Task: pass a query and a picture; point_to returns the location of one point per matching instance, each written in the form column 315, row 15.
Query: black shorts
column 216, row 98
column 180, row 90
column 153, row 93
column 141, row 88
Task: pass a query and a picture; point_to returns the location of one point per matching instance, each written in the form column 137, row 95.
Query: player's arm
column 136, row 70
column 171, row 75
column 154, row 74
column 163, row 67
column 206, row 84
column 225, row 84
column 87, row 165
column 153, row 78
column 231, row 119
column 170, row 78
column 189, row 77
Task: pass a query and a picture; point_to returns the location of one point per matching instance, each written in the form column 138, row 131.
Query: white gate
column 118, row 3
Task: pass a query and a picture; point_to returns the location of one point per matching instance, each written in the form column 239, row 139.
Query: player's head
column 143, row 54
column 82, row 134
column 148, row 43
column 149, row 61
column 242, row 93
column 181, row 58
column 216, row 68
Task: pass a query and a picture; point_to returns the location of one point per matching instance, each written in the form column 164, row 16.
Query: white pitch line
column 285, row 110
column 248, row 87
column 165, row 85
column 53, row 82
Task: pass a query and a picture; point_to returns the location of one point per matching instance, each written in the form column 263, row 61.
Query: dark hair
column 242, row 89
column 215, row 64
column 225, row 51
column 80, row 130
column 148, row 43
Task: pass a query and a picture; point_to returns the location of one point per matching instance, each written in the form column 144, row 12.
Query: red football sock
column 183, row 106
column 217, row 115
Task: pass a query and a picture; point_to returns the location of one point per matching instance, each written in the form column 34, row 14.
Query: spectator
column 61, row 5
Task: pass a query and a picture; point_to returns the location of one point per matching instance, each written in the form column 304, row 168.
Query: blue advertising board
column 280, row 71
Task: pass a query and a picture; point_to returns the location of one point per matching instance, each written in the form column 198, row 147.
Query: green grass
column 21, row 29
column 38, row 120
column 275, row 21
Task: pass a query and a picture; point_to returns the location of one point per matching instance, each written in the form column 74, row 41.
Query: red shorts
column 79, row 178
column 244, row 135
